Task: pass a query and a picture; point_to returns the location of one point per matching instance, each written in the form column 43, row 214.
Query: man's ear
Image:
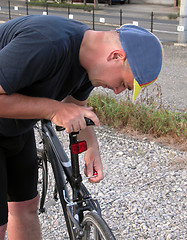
column 117, row 54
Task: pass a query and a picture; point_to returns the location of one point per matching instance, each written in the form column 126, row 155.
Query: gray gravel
column 143, row 194
column 145, row 188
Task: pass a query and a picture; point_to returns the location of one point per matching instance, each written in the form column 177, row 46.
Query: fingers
column 93, row 117
column 93, row 175
column 69, row 129
column 78, row 123
column 76, row 127
column 71, row 116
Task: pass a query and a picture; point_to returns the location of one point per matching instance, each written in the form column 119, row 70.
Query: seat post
column 76, row 176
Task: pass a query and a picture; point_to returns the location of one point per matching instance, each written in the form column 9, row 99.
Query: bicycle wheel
column 52, row 221
column 53, row 225
column 95, row 228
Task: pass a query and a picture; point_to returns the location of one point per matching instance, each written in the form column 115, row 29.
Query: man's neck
column 92, row 46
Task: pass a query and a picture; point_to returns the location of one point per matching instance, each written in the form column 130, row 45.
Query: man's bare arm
column 64, row 114
column 23, row 107
column 92, row 156
column 1, row 90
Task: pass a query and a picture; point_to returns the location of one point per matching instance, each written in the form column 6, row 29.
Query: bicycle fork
column 82, row 200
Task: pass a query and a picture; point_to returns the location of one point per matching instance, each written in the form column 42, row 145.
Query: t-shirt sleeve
column 84, row 91
column 28, row 58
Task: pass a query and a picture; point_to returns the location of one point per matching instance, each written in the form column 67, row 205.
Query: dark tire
column 95, row 228
column 43, row 178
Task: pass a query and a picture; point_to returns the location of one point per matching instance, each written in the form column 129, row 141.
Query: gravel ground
column 143, row 194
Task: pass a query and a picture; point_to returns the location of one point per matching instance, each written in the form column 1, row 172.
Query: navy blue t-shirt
column 39, row 57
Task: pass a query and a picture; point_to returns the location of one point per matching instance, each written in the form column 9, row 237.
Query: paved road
column 173, row 76
column 164, row 28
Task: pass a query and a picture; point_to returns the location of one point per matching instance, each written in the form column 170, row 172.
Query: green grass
column 173, row 16
column 146, row 119
column 61, row 5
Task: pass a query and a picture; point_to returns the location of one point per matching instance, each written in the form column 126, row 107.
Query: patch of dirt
column 168, row 141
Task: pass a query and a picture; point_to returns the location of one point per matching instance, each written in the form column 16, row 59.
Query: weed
column 61, row 4
column 172, row 16
column 146, row 118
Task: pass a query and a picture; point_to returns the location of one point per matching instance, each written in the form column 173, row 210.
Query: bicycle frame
column 64, row 169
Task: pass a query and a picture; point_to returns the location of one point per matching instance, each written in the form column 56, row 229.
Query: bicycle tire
column 95, row 228
column 43, row 181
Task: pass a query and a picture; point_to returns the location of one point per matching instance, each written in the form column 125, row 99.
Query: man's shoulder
column 56, row 27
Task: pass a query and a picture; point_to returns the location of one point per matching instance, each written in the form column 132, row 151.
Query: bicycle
column 82, row 213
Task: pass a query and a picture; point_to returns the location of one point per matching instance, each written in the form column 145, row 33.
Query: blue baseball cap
column 144, row 53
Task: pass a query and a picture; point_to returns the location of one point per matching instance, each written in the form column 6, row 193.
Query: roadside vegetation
column 61, row 4
column 147, row 116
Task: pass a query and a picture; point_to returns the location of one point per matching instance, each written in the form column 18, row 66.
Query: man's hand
column 93, row 163
column 71, row 116
column 92, row 155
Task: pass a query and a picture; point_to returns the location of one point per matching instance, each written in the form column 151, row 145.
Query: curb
column 180, row 44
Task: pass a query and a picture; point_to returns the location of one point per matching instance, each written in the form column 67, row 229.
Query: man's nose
column 118, row 90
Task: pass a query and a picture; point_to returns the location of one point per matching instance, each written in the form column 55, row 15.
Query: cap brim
column 137, row 89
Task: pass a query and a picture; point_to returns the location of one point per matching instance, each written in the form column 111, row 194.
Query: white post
column 182, row 37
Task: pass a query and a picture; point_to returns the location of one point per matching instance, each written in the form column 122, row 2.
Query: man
column 48, row 67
